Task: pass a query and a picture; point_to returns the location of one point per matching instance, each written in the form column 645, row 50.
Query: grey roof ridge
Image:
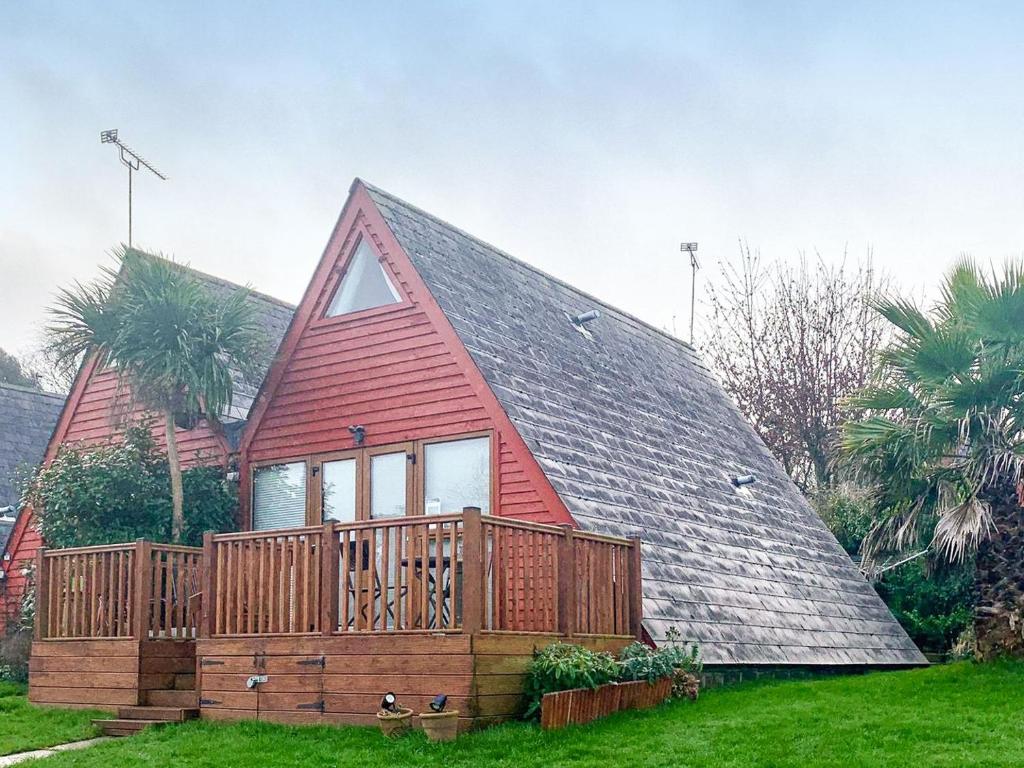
column 32, row 390
column 537, row 270
column 222, row 281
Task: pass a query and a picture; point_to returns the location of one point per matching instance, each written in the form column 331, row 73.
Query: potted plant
column 394, row 720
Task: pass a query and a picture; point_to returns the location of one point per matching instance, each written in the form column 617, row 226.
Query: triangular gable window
column 365, row 285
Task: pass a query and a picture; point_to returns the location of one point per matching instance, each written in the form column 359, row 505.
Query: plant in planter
column 563, row 667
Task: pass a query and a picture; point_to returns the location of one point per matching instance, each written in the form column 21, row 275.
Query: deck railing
column 140, row 590
column 444, row 573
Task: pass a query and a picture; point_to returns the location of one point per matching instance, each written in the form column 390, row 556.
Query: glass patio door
column 339, row 490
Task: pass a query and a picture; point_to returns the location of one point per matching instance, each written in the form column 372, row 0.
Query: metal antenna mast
column 132, row 161
column 691, row 248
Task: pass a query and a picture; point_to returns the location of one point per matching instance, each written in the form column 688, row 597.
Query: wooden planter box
column 584, row 705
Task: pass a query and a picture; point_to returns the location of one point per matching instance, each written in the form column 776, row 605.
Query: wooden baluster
column 284, row 579
column 346, row 567
column 272, row 581
column 424, row 577
column 385, row 564
column 410, row 587
column 439, row 598
column 316, row 603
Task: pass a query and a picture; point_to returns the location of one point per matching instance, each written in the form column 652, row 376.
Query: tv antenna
column 691, row 248
column 131, row 160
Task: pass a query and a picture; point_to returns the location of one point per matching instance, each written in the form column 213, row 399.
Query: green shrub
column 564, row 666
column 638, row 661
column 934, row 607
column 848, row 513
column 121, row 492
column 14, row 652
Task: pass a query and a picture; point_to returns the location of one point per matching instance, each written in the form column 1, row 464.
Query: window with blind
column 279, row 496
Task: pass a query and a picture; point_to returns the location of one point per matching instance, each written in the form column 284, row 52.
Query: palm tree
column 173, row 345
column 942, row 440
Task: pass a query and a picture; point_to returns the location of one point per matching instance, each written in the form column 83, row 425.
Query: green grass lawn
column 24, row 727
column 959, row 715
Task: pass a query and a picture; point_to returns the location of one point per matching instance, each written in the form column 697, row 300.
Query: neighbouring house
column 91, row 416
column 426, row 375
column 27, row 419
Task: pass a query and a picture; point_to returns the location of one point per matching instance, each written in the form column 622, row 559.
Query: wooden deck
column 332, row 616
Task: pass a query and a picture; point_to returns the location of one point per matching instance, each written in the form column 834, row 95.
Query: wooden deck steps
column 131, row 720
column 182, row 699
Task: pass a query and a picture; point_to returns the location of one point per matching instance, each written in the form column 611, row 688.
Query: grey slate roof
column 27, row 419
column 638, row 438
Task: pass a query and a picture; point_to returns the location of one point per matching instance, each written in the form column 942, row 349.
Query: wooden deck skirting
column 341, row 679
column 333, row 616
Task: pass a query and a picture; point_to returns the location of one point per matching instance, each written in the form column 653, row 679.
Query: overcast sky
column 586, row 139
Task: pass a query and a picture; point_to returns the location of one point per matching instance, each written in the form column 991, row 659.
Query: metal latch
column 255, row 680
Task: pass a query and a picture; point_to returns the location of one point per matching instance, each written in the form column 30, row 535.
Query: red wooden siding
column 400, row 371
column 93, row 422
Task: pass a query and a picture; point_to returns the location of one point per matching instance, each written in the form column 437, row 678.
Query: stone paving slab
column 20, row 757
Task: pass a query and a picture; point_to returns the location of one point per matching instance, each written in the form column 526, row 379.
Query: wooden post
column 329, row 580
column 142, row 589
column 42, row 623
column 636, row 590
column 208, row 600
column 566, row 581
column 472, row 571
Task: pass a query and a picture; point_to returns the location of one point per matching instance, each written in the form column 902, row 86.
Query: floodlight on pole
column 133, row 162
column 691, row 248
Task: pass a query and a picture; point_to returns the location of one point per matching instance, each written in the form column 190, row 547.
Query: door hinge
column 207, row 702
column 317, row 705
column 211, row 663
column 319, row 662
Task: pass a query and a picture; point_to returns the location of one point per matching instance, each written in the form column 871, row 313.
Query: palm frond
column 904, row 315
column 961, row 528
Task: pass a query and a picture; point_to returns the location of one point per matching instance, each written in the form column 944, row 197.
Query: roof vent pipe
column 585, row 317
column 743, row 480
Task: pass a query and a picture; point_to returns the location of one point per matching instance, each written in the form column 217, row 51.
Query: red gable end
column 398, row 370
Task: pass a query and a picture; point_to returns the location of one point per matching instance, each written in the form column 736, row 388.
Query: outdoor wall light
column 358, row 433
column 743, row 480
column 389, row 703
column 439, row 703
